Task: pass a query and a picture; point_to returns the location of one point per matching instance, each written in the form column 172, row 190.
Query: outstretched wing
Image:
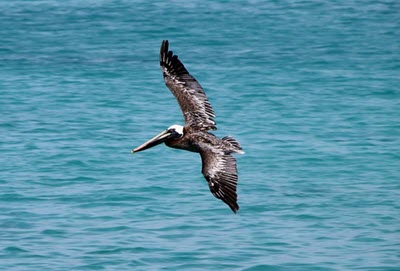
column 196, row 108
column 219, row 169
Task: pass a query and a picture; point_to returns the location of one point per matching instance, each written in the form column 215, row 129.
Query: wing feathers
column 195, row 106
column 219, row 169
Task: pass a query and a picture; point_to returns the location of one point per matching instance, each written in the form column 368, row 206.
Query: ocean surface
column 311, row 89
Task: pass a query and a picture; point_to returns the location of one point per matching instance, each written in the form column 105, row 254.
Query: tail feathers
column 233, row 144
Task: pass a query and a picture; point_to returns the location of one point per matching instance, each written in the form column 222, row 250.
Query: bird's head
column 176, row 129
column 172, row 133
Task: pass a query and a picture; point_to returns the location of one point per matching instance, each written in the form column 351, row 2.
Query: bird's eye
column 172, row 131
column 175, row 133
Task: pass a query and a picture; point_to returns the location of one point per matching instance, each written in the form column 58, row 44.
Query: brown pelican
column 219, row 167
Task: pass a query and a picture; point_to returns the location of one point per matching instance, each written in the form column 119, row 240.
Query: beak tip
column 160, row 138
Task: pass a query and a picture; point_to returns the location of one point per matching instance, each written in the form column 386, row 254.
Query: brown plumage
column 219, row 166
column 195, row 106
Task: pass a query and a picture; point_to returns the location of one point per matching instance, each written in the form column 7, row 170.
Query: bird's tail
column 232, row 145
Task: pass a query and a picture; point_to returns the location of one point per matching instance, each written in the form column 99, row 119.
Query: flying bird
column 218, row 165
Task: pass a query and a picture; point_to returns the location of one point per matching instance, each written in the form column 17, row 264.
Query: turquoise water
column 310, row 89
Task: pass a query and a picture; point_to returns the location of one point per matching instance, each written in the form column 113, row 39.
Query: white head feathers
column 178, row 128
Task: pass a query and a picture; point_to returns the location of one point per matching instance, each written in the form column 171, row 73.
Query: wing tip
column 232, row 203
column 163, row 51
column 228, row 196
column 170, row 62
column 234, row 208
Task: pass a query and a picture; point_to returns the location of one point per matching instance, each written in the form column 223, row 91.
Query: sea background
column 309, row 88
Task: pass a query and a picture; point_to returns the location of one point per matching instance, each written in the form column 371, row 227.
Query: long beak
column 158, row 139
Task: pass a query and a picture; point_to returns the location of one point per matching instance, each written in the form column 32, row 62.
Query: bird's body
column 218, row 165
column 198, row 140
